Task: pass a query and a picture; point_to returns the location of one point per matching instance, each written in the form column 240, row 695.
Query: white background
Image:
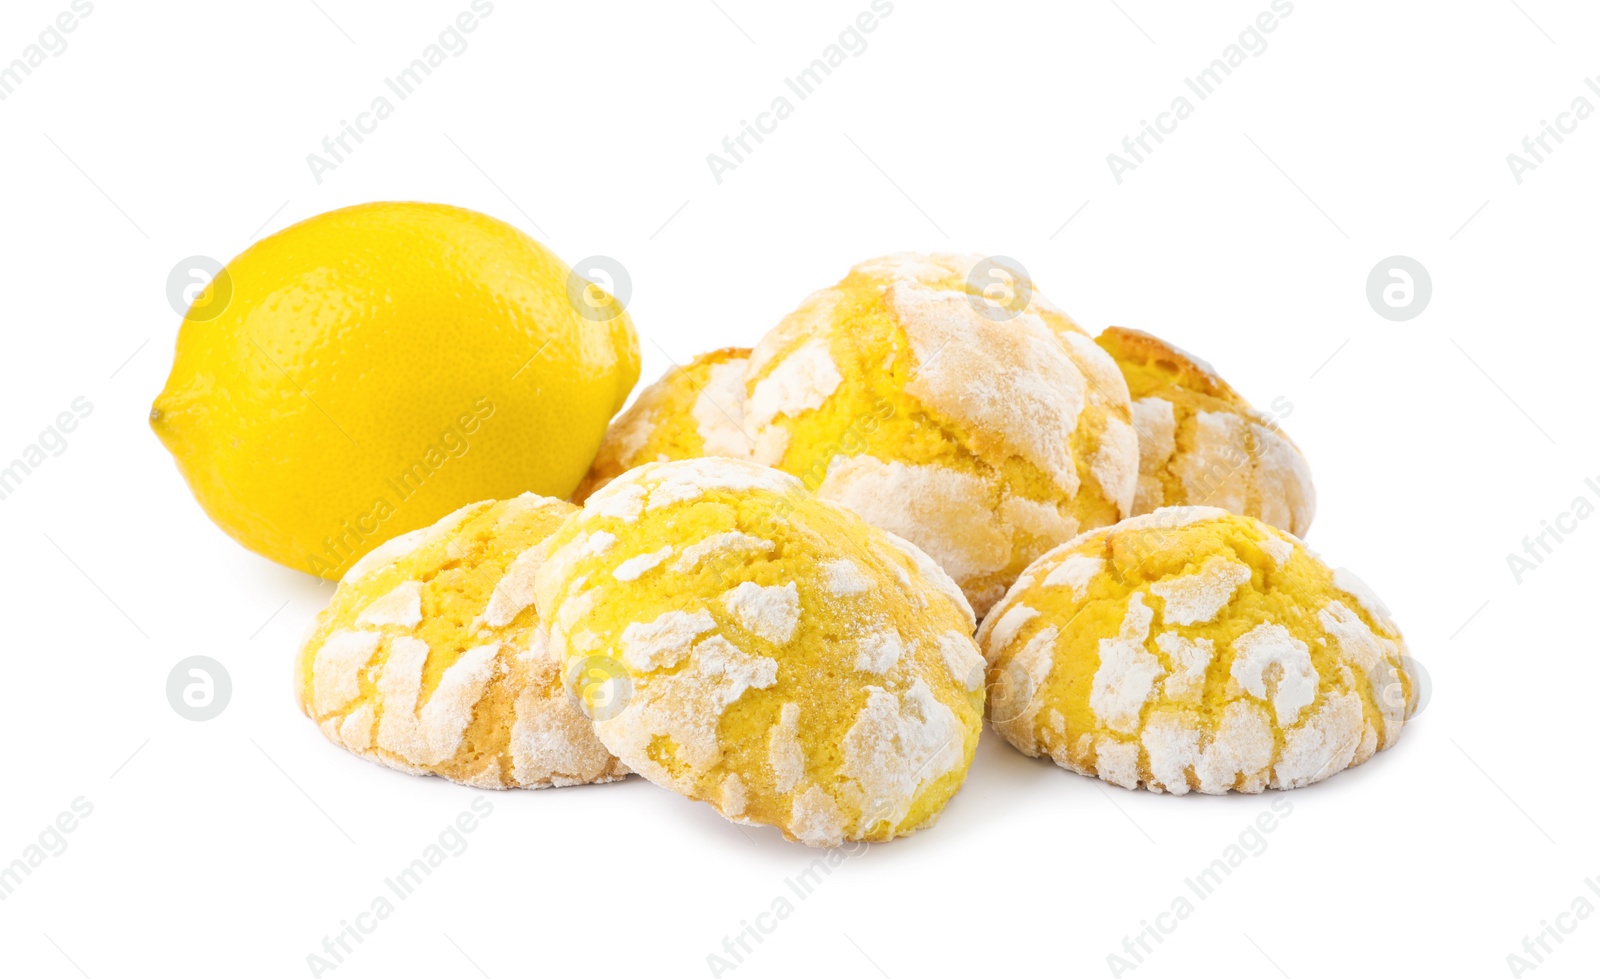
column 1364, row 130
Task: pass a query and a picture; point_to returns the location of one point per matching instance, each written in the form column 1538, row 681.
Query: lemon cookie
column 1201, row 443
column 744, row 643
column 431, row 658
column 1196, row 649
column 984, row 434
column 693, row 410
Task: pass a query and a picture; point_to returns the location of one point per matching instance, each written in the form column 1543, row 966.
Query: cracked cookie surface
column 746, row 644
column 430, row 658
column 1194, row 649
column 983, row 434
column 694, row 410
column 1202, row 444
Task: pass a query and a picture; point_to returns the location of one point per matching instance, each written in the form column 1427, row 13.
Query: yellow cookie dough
column 746, row 644
column 1196, row 649
column 429, row 658
column 1201, row 443
column 984, row 439
column 692, row 411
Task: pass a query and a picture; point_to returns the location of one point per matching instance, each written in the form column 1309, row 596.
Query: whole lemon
column 369, row 370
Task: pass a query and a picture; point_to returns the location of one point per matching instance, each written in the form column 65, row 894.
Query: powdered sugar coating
column 1279, row 549
column 1200, row 442
column 845, row 578
column 1075, row 573
column 816, row 819
column 695, row 409
column 696, row 477
column 428, row 733
column 396, row 548
column 1271, row 645
column 718, row 411
column 769, row 611
column 1127, row 673
column 910, row 500
column 1374, row 655
column 1189, row 659
column 665, row 640
column 427, row 660
column 1199, row 596
column 1157, row 428
column 879, row 651
column 514, row 592
column 1205, row 651
column 339, row 662
column 898, row 744
column 784, row 752
column 961, row 658
column 625, row 502
column 800, row 383
column 755, row 657
column 1002, row 626
column 1348, row 582
column 402, row 606
column 633, row 568
column 967, row 371
column 686, row 706
column 982, row 439
column 728, row 543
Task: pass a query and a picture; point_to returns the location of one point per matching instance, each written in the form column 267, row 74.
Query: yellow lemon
column 369, row 370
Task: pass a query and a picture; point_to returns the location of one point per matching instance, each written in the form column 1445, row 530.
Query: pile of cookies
column 766, row 593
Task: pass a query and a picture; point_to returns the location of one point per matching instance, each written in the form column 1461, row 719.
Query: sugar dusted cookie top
column 693, row 410
column 1192, row 648
column 746, row 644
column 984, row 432
column 430, row 658
column 1201, row 443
